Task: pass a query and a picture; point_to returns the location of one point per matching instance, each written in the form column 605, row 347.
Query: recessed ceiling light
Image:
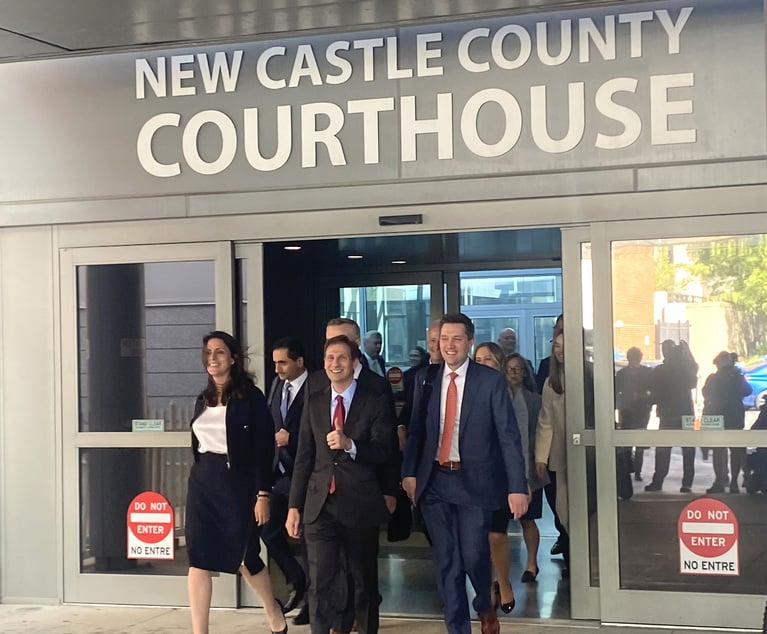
column 399, row 261
column 292, row 247
column 354, row 257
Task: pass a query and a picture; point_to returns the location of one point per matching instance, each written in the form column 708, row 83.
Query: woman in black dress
column 230, row 481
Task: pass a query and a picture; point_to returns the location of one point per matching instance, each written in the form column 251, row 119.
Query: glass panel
column 489, row 328
column 542, row 329
column 139, row 333
column 689, row 314
column 482, row 288
column 400, row 313
column 526, row 300
column 110, row 478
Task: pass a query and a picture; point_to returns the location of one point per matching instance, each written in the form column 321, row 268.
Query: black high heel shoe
column 528, row 576
column 284, row 630
column 506, row 608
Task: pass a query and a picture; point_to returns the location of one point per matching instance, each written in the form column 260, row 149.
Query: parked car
column 756, row 377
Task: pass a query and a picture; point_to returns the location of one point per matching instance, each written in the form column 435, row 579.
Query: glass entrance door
column 677, row 405
column 132, row 322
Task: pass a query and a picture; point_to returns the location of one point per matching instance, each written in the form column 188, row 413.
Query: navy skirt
column 221, row 532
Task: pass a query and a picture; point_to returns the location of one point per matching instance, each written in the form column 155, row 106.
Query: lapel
column 356, row 409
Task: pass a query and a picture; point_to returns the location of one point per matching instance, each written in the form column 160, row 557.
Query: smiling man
column 345, row 436
column 463, row 460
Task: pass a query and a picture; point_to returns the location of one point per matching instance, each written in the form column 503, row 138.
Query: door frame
column 113, row 588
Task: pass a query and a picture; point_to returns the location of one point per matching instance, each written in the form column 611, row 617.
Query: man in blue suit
column 462, row 462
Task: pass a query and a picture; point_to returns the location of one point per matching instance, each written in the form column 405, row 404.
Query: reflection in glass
column 109, row 479
column 401, row 313
column 527, row 300
column 139, row 333
column 680, row 305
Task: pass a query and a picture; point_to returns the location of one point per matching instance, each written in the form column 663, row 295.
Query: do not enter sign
column 150, row 527
column 708, row 539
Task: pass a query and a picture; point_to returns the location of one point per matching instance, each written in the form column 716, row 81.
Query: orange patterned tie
column 338, row 424
column 451, row 409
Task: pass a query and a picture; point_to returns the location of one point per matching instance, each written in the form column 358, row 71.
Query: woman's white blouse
column 210, row 429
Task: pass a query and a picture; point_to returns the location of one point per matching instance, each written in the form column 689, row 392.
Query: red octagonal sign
column 150, row 527
column 708, row 538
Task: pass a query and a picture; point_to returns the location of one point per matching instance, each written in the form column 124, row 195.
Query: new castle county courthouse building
column 259, row 169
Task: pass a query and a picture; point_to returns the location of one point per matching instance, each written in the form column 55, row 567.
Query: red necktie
column 339, row 413
column 451, row 409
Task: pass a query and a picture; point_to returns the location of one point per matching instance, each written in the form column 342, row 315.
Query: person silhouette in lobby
column 633, row 400
column 723, row 394
column 372, row 344
column 672, row 382
column 460, row 464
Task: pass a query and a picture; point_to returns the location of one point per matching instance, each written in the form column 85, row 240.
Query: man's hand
column 402, row 436
column 337, row 440
column 282, row 437
column 540, row 469
column 518, row 504
column 408, row 484
column 391, row 503
column 293, row 523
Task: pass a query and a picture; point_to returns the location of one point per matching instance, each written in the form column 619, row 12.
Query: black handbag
column 401, row 521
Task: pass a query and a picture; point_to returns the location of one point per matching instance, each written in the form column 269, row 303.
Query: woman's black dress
column 221, row 532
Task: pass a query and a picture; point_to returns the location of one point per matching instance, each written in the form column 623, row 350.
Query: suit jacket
column 286, row 455
column 249, row 437
column 358, row 491
column 492, row 463
column 551, row 436
column 388, row 473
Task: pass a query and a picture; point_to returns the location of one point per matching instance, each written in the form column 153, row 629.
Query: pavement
column 92, row 619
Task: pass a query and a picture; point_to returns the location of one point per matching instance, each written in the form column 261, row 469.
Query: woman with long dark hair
column 230, row 481
column 550, row 439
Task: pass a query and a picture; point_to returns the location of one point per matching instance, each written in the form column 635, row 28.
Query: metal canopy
column 32, row 29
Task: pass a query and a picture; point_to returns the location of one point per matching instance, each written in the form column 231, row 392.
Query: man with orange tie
column 463, row 461
column 345, row 435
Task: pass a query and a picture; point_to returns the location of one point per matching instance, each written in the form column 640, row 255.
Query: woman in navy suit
column 230, row 481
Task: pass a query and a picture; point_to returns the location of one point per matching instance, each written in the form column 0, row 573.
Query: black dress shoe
column 295, row 597
column 556, row 549
column 302, row 618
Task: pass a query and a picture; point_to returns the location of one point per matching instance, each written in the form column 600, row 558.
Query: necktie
column 339, row 413
column 285, row 401
column 451, row 409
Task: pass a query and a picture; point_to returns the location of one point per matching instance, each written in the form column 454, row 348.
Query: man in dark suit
column 451, row 469
column 286, row 403
column 345, row 435
column 389, row 474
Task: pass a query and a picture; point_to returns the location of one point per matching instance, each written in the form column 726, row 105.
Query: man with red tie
column 345, row 435
column 462, row 461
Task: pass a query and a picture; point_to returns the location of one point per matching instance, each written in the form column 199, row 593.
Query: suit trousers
column 335, row 550
column 460, row 547
column 276, row 539
column 663, row 461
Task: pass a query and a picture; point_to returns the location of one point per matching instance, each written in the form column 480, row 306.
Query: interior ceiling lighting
column 355, row 256
column 292, row 247
column 399, row 261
